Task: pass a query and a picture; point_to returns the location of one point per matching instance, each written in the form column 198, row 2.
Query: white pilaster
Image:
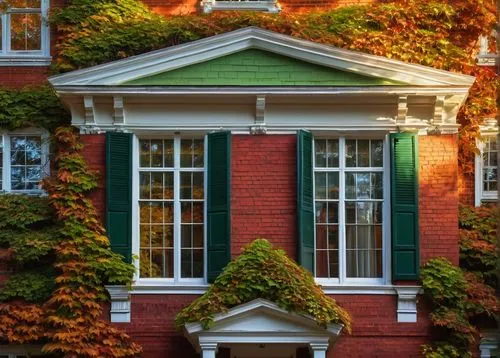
column 319, row 350
column 208, row 350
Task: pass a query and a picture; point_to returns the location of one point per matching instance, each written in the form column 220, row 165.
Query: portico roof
column 261, row 322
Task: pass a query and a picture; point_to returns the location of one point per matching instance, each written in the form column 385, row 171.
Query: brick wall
column 94, row 152
column 438, row 197
column 20, row 76
column 263, row 191
column 466, row 188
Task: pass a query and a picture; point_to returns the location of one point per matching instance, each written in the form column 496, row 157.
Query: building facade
column 347, row 161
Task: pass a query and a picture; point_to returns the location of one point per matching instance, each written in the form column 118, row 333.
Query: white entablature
column 406, row 96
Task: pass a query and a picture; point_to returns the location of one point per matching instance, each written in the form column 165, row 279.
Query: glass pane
column 321, row 263
column 320, row 153
column 157, row 263
column 333, row 237
column 198, row 216
column 156, row 153
column 197, row 263
column 333, row 185
column 25, row 32
column 320, row 185
column 156, row 236
column 144, row 212
column 333, row 257
column 198, row 153
column 187, row 153
column 186, row 212
column 186, row 263
column 363, row 153
column 185, row 186
column 198, row 235
column 145, row 263
column 144, row 155
column 333, row 213
column 377, row 187
column 377, row 153
column 168, row 212
column 145, row 185
column 17, row 178
column 333, row 153
column 321, row 210
column 321, row 237
column 493, row 159
column 168, row 152
column 156, row 212
column 350, row 153
column 156, row 185
column 186, row 237
column 198, row 185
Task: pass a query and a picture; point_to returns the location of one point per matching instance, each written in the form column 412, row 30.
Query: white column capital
column 407, row 303
column 319, row 349
column 208, row 350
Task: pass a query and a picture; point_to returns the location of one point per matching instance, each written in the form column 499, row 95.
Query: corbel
column 259, row 126
column 407, row 303
column 438, row 117
column 402, row 109
column 119, row 111
column 88, row 104
column 120, row 303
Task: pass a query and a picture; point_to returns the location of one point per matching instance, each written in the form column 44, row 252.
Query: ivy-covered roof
column 262, row 271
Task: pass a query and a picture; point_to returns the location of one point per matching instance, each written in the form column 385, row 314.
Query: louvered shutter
column 305, row 200
column 404, row 200
column 218, row 203
column 119, row 192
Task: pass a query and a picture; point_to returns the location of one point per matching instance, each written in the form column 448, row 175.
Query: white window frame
column 253, row 5
column 25, row 58
column 343, row 280
column 480, row 194
column 178, row 282
column 45, row 160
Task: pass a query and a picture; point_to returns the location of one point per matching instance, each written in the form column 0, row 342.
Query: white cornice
column 121, row 71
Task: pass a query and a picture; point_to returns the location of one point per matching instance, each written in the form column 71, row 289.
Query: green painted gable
column 257, row 68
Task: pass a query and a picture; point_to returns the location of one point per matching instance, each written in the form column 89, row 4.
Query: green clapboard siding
column 305, row 200
column 257, row 68
column 404, row 200
column 218, row 203
column 119, row 192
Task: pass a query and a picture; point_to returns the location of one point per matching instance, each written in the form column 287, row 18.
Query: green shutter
column 404, row 206
column 119, row 192
column 305, row 200
column 218, row 203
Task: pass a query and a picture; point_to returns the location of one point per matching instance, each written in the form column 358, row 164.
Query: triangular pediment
column 263, row 317
column 198, row 62
column 256, row 67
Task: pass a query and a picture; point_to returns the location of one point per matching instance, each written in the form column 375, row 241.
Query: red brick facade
column 438, row 197
column 263, row 191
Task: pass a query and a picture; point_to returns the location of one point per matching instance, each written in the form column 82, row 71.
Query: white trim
column 480, row 194
column 120, row 303
column 121, row 71
column 44, row 159
column 25, row 58
column 177, row 284
column 262, row 5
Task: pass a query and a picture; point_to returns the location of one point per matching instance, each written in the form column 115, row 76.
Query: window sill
column 143, row 288
column 267, row 6
column 25, row 61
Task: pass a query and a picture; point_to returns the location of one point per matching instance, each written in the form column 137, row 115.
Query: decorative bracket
column 402, row 109
column 88, row 104
column 119, row 111
column 120, row 303
column 407, row 303
column 259, row 126
column 438, row 117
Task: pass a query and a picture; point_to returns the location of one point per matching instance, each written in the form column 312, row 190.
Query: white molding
column 121, row 71
column 88, row 104
column 262, row 5
column 407, row 303
column 120, row 303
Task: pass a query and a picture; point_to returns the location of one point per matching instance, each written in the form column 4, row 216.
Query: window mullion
column 177, row 209
column 342, row 243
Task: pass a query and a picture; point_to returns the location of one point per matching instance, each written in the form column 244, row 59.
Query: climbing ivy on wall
column 72, row 252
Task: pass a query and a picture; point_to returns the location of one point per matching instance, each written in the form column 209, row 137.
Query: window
column 256, row 5
column 349, row 209
column 486, row 170
column 24, row 33
column 24, row 161
column 172, row 208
